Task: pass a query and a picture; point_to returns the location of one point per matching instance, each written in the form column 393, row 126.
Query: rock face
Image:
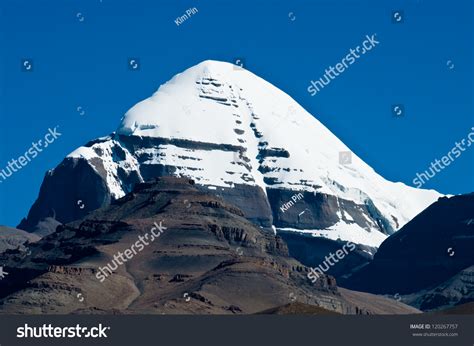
column 241, row 138
column 312, row 252
column 458, row 290
column 74, row 183
column 12, row 238
column 430, row 259
column 201, row 256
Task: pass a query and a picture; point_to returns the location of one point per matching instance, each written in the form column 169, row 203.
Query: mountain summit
column 245, row 140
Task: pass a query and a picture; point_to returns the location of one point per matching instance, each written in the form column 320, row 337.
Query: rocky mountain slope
column 429, row 261
column 457, row 290
column 248, row 142
column 12, row 238
column 201, row 257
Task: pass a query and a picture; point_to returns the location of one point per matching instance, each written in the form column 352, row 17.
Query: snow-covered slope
column 223, row 126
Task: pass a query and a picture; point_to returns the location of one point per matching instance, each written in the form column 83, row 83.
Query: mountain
column 12, row 238
column 245, row 140
column 456, row 291
column 429, row 261
column 199, row 255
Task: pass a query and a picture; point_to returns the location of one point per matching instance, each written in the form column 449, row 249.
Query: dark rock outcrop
column 68, row 193
column 426, row 257
column 12, row 238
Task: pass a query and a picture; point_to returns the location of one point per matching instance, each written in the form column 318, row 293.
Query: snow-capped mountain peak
column 225, row 127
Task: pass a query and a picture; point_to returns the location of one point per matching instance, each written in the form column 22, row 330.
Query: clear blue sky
column 84, row 64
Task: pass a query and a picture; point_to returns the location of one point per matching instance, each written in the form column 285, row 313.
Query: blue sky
column 80, row 50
